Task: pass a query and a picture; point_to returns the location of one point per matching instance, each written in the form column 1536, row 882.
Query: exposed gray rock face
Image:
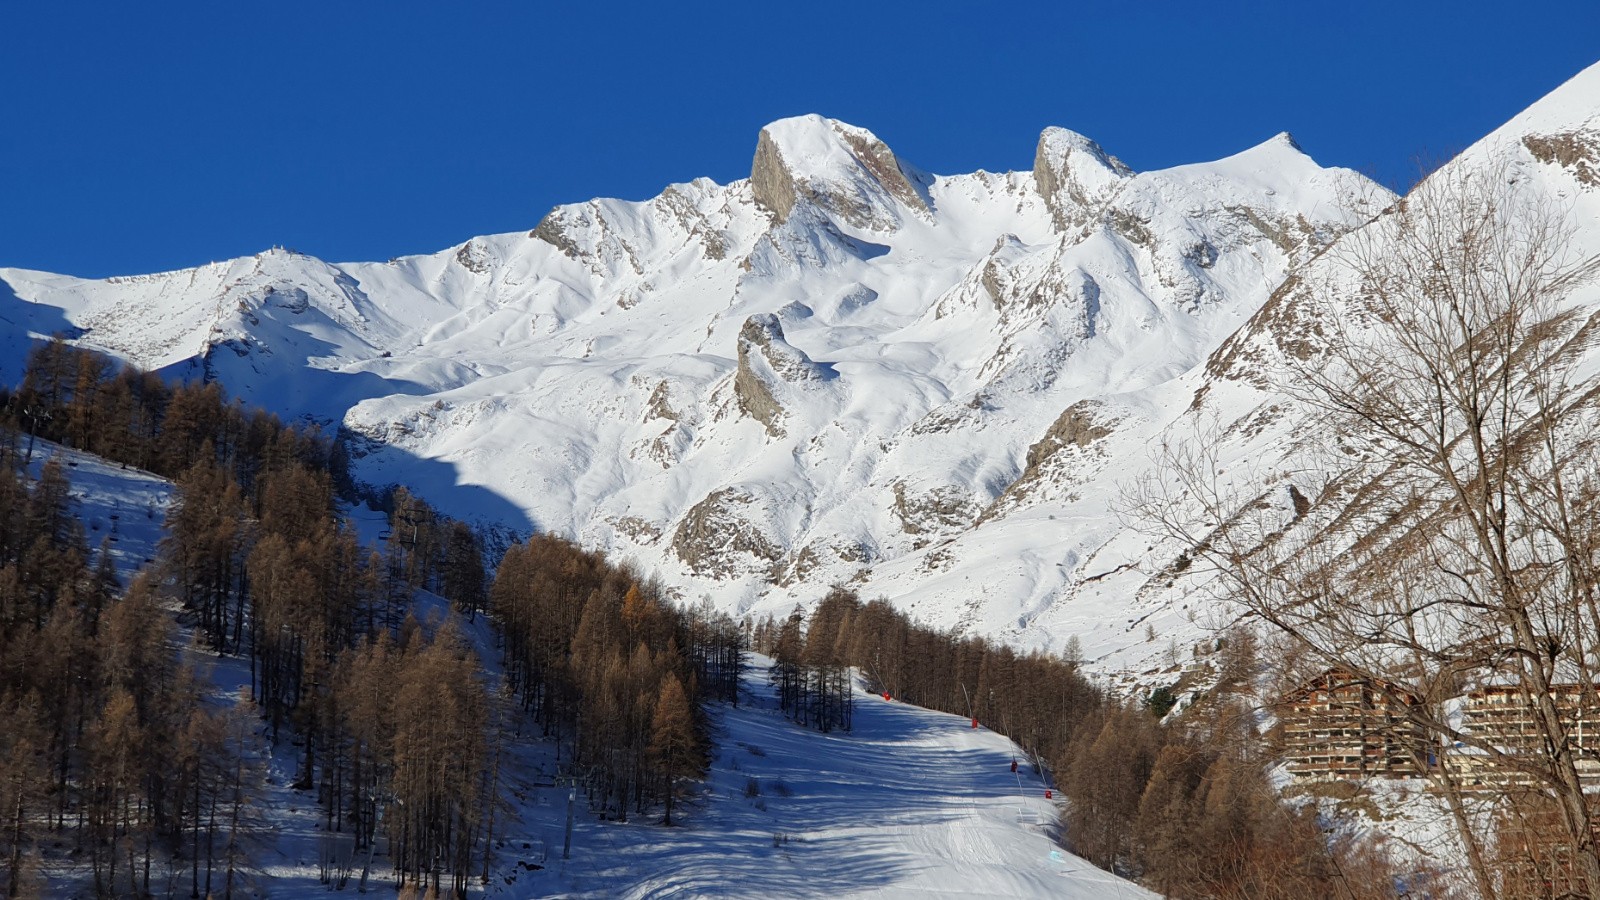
column 756, row 400
column 764, row 332
column 937, row 510
column 765, row 357
column 473, row 257
column 715, row 540
column 770, row 180
column 550, row 231
column 844, row 171
column 1077, row 426
column 1075, row 176
column 996, row 276
column 754, row 394
column 1068, row 443
column 1047, row 311
column 615, row 240
column 682, row 210
column 1576, row 151
column 876, row 157
column 659, row 405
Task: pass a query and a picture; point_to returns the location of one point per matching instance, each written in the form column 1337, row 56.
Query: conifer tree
column 23, row 785
column 461, row 576
column 673, row 747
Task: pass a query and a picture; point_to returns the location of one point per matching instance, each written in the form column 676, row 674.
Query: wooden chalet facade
column 1503, row 715
column 1341, row 726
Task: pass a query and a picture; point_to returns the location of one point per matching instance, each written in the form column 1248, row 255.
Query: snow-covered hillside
column 841, row 370
column 909, row 803
column 1240, row 411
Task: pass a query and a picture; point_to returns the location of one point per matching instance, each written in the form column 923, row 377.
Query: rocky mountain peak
column 844, row 171
column 764, row 388
column 1073, row 174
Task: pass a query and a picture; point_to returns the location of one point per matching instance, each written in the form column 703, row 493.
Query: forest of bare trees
column 609, row 668
column 113, row 745
column 107, row 743
column 391, row 715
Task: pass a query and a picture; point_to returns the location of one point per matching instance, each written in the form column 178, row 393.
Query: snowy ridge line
column 1002, row 352
column 841, row 370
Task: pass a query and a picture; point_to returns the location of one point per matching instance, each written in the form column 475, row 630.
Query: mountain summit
column 842, row 369
column 836, row 168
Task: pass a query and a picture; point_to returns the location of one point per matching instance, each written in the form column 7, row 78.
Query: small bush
column 1161, row 701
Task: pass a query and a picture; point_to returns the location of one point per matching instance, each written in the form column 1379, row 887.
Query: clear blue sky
column 137, row 137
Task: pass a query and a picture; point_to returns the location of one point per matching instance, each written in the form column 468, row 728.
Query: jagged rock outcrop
column 550, row 231
column 1079, row 425
column 474, row 257
column 1074, row 433
column 1075, row 176
column 839, row 169
column 766, row 358
column 718, row 539
column 771, row 182
column 940, row 509
column 1575, row 151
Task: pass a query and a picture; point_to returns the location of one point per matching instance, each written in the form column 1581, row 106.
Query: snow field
column 910, row 803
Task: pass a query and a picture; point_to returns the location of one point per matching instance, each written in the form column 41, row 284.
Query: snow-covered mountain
column 1239, row 414
column 843, row 369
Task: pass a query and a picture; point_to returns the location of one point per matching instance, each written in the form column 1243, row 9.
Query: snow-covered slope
column 910, row 803
column 840, row 370
column 1056, row 556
